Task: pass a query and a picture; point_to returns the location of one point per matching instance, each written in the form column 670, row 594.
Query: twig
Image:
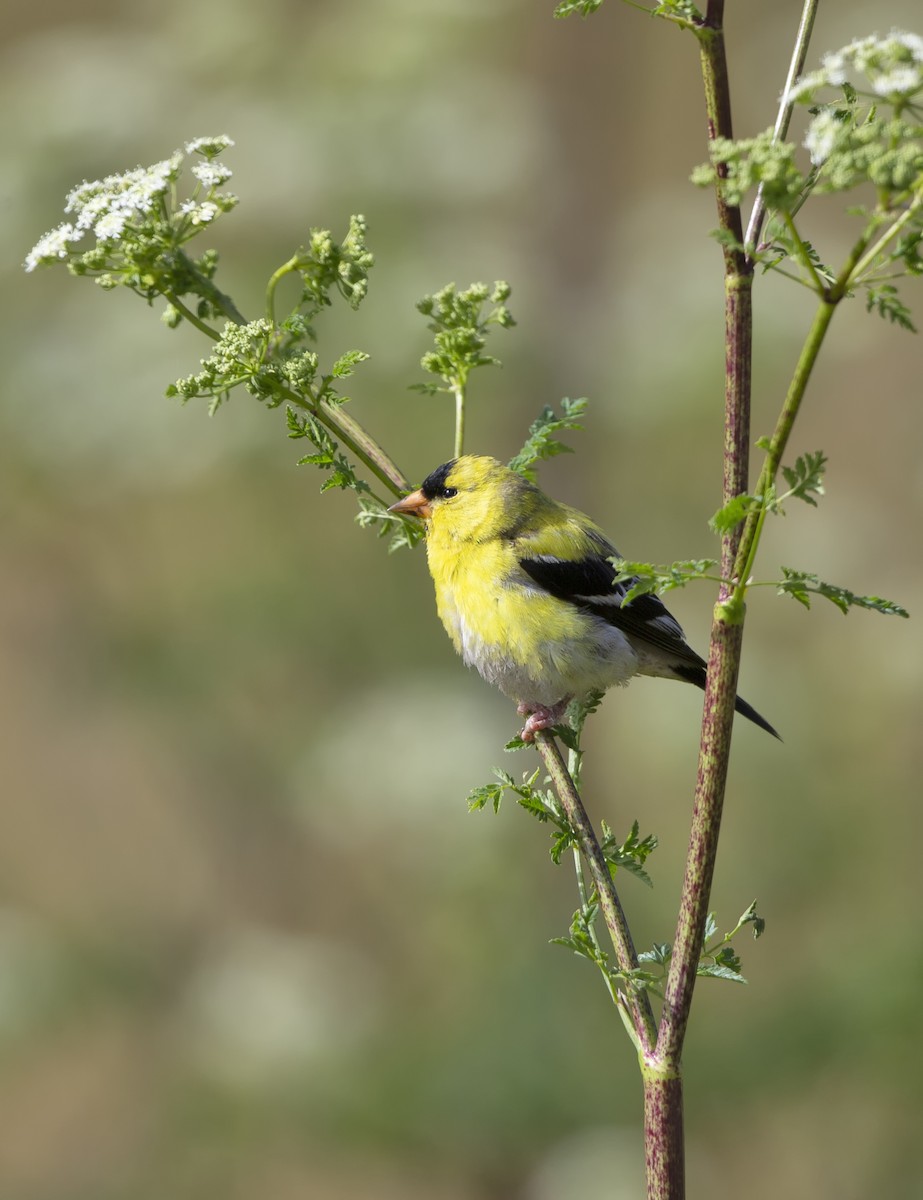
column 783, row 119
column 637, row 1002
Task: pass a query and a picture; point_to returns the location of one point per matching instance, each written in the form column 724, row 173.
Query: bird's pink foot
column 540, row 716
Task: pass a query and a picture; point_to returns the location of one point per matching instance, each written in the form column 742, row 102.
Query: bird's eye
column 448, row 493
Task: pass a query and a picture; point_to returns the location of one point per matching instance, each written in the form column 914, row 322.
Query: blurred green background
column 251, row 944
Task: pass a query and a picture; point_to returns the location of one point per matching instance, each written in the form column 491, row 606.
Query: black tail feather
column 696, row 675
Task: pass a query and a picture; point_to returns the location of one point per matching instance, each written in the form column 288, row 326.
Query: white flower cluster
column 892, row 67
column 888, row 68
column 106, row 206
column 209, row 147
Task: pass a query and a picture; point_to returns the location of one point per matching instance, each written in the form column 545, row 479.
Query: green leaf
column 405, row 534
column 660, row 953
column 541, row 443
column 801, row 585
column 488, row 793
column 346, row 362
column 751, row 917
column 715, row 971
column 883, row 299
column 584, row 8
column 806, row 479
column 631, row 854
column 679, row 10
column 734, row 512
column 645, row 578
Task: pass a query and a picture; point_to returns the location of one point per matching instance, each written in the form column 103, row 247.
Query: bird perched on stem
column 526, row 591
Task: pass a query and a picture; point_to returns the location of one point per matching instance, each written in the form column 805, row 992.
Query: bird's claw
column 540, row 716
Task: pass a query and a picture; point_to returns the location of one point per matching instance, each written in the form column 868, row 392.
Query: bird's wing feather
column 588, row 583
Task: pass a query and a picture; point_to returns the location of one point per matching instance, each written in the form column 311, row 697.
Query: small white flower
column 212, row 174
column 912, row 41
column 833, row 68
column 821, row 136
column 52, row 246
column 109, row 227
column 900, row 81
column 891, row 66
column 209, row 146
column 200, row 214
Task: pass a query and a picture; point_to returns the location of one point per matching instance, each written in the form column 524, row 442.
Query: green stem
column 210, row 292
column 459, row 391
column 636, row 1003
column 749, row 543
column 783, row 119
column 364, row 446
column 353, row 435
column 870, row 255
column 277, row 275
column 190, row 316
column 804, row 258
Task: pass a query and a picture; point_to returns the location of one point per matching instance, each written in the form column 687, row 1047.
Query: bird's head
column 471, row 498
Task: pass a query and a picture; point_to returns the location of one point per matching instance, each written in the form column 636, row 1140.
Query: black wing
column 588, row 584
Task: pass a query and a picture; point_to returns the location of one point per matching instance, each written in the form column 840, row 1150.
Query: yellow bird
column 525, row 591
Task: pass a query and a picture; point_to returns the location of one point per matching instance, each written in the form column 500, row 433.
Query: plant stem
column 870, row 255
column 664, row 1149
column 721, row 690
column 364, row 446
column 738, row 277
column 783, row 119
column 749, row 544
column 356, row 437
column 190, row 316
column 663, row 1091
column 286, row 269
column 637, row 1003
column 459, row 391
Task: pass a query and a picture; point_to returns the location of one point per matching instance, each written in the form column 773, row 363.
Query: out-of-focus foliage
column 229, row 719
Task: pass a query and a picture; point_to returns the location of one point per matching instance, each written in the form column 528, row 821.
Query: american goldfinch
column 525, row 590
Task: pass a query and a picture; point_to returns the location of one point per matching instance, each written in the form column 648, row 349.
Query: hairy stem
column 720, row 692
column 664, row 1150
column 637, row 1003
column 738, row 277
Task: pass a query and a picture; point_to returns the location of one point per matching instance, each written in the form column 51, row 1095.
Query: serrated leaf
column 801, row 585
column 714, row 971
column 659, row 953
column 488, row 793
column 885, row 300
column 733, row 513
column 346, row 363
column 644, row 578
column 806, row 477
column 541, row 443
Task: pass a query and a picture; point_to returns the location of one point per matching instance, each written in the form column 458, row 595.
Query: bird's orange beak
column 414, row 505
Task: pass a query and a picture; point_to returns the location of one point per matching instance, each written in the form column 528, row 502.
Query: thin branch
column 459, row 391
column 637, row 1002
column 783, row 119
